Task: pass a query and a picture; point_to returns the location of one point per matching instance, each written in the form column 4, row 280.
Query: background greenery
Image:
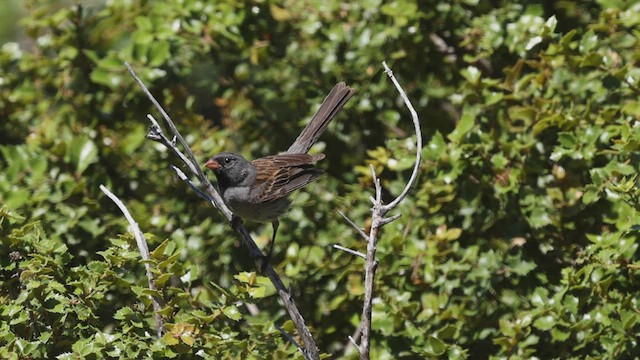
column 519, row 241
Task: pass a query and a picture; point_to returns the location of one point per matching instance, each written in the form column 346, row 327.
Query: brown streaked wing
column 280, row 175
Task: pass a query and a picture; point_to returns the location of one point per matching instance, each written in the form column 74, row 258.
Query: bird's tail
column 336, row 99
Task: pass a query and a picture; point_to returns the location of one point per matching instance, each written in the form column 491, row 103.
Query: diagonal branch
column 310, row 348
column 356, row 227
column 350, row 251
column 166, row 117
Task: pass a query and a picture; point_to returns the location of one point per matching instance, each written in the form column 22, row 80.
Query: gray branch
column 350, row 251
column 353, row 224
column 155, row 133
column 416, row 126
column 379, row 219
column 157, row 302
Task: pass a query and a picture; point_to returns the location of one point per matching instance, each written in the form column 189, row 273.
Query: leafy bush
column 519, row 241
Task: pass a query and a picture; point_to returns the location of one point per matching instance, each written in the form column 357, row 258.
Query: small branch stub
column 350, row 251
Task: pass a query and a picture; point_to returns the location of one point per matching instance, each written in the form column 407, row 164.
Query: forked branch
column 379, row 218
column 310, row 350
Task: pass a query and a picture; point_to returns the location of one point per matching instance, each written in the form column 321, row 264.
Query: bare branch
column 157, row 302
column 189, row 160
column 311, row 348
column 292, row 340
column 358, row 229
column 184, row 178
column 376, row 183
column 378, row 220
column 416, row 125
column 353, row 341
column 352, row 252
column 166, row 118
column 385, row 221
column 156, row 134
column 370, row 272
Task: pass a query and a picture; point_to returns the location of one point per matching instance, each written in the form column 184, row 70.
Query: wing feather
column 280, row 175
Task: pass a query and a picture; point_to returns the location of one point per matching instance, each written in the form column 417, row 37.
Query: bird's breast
column 238, row 200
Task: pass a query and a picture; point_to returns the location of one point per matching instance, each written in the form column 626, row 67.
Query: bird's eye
column 227, row 160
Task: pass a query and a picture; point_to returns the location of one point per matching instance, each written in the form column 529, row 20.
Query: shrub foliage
column 519, row 241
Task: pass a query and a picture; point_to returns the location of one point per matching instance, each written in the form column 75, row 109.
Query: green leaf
column 83, row 152
column 158, row 53
column 123, row 313
column 434, row 346
column 159, row 252
column 544, row 323
column 472, row 74
column 232, row 312
column 170, row 340
column 466, row 123
column 589, row 41
column 558, row 335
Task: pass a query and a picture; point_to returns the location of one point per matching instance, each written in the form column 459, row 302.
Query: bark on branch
column 141, row 241
column 310, row 350
column 379, row 218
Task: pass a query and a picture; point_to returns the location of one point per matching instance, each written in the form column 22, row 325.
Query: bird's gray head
column 231, row 169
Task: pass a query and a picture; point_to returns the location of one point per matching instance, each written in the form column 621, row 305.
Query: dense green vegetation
column 519, row 241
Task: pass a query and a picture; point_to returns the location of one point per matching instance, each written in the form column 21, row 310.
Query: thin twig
column 182, row 176
column 173, row 128
column 157, row 302
column 156, row 134
column 356, row 336
column 293, row 341
column 353, row 341
column 310, row 346
column 356, row 227
column 385, row 221
column 350, row 251
column 416, row 126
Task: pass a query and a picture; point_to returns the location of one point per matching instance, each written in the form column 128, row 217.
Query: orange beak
column 212, row 164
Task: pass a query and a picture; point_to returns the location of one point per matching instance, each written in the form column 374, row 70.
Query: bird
column 259, row 190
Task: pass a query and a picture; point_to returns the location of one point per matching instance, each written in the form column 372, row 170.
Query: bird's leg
column 275, row 225
column 235, row 221
column 267, row 257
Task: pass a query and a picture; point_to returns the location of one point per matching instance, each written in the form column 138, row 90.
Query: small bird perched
column 258, row 190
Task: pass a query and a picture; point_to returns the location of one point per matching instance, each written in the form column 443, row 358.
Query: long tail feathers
column 331, row 105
